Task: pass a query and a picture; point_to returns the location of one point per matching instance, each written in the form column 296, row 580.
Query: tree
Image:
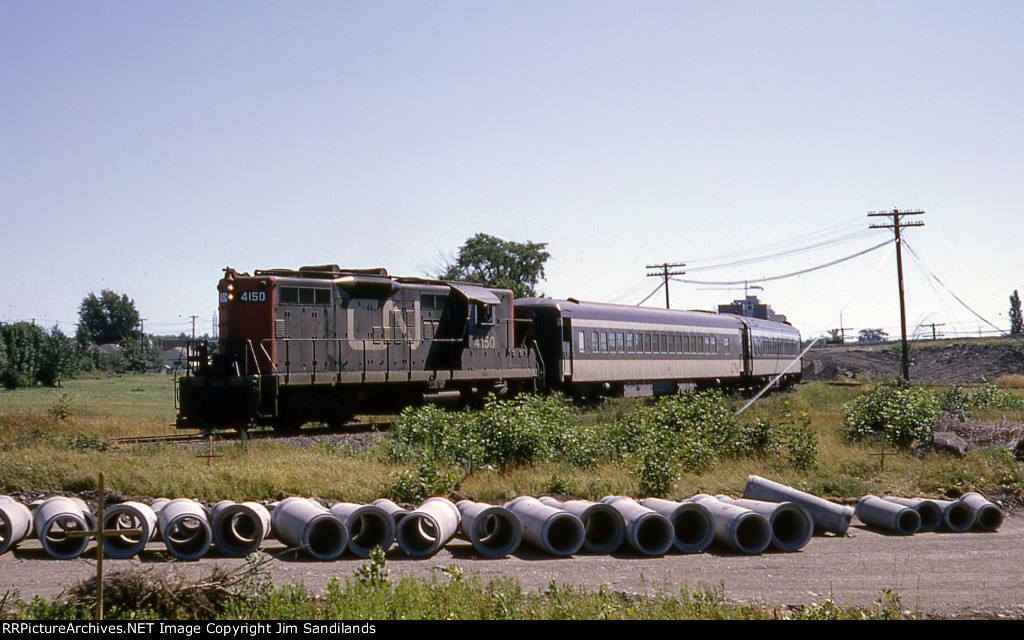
column 61, row 358
column 871, row 336
column 494, row 262
column 835, row 336
column 23, row 346
column 108, row 319
column 1016, row 320
column 29, row 356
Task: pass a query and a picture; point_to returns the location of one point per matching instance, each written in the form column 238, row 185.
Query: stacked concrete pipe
column 956, row 516
column 15, row 523
column 604, row 527
column 930, row 511
column 368, row 527
column 494, row 531
column 185, row 529
column 791, row 527
column 426, row 529
column 647, row 531
column 874, row 511
column 239, row 528
column 827, row 516
column 305, row 525
column 156, row 505
column 125, row 516
column 987, row 515
column 740, row 529
column 552, row 530
column 54, row 519
column 692, row 524
column 396, row 512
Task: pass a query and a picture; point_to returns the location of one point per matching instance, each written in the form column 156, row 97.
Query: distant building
column 751, row 307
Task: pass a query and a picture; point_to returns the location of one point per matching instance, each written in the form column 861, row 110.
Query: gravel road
column 935, row 574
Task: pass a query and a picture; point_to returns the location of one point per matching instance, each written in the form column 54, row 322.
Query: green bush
column 893, row 410
column 956, row 403
column 524, row 430
column 989, row 396
column 692, row 429
column 428, row 480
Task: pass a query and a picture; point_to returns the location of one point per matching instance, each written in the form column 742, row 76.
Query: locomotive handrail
column 387, row 342
column 255, row 360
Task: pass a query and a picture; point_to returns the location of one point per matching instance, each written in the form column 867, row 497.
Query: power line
column 845, row 226
column 789, row 275
column 790, row 252
column 950, row 291
column 649, row 295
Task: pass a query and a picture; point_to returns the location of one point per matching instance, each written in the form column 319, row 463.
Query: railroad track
column 259, row 434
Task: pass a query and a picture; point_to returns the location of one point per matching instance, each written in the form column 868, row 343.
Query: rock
column 946, row 442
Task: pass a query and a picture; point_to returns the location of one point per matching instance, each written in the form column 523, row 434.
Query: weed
column 374, row 574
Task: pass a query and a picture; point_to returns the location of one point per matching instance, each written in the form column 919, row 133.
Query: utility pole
column 896, row 225
column 665, row 273
column 933, row 325
column 142, row 331
column 842, row 329
column 193, row 326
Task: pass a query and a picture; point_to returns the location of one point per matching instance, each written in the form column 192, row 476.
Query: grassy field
column 53, row 440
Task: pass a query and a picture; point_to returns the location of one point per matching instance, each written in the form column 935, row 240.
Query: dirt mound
column 959, row 362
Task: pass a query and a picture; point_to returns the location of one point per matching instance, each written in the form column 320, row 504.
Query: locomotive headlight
column 231, row 287
column 231, row 297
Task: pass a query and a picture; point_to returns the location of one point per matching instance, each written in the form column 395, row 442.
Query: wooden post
column 101, row 533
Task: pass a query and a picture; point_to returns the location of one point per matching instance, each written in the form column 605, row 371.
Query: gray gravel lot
column 934, row 573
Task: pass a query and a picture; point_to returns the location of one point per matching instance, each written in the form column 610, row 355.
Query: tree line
column 31, row 355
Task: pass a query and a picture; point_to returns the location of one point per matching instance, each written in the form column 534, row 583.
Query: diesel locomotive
column 322, row 343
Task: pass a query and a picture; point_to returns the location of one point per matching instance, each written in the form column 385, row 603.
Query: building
column 751, row 307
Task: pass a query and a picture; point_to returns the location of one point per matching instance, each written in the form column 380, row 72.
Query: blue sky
column 145, row 146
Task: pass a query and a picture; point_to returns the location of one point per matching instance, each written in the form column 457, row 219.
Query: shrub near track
column 894, row 410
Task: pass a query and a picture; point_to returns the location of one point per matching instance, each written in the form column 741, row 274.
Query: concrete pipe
column 239, row 528
column 604, row 527
column 15, row 523
column 33, row 506
column 54, row 519
column 957, row 517
column 396, row 512
column 692, row 524
column 368, row 527
column 158, row 504
column 128, row 515
column 791, row 527
column 305, row 525
column 429, row 527
column 929, row 510
column 987, row 515
column 494, row 531
column 90, row 517
column 552, row 530
column 647, row 531
column 874, row 511
column 827, row 516
column 737, row 528
column 185, row 529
